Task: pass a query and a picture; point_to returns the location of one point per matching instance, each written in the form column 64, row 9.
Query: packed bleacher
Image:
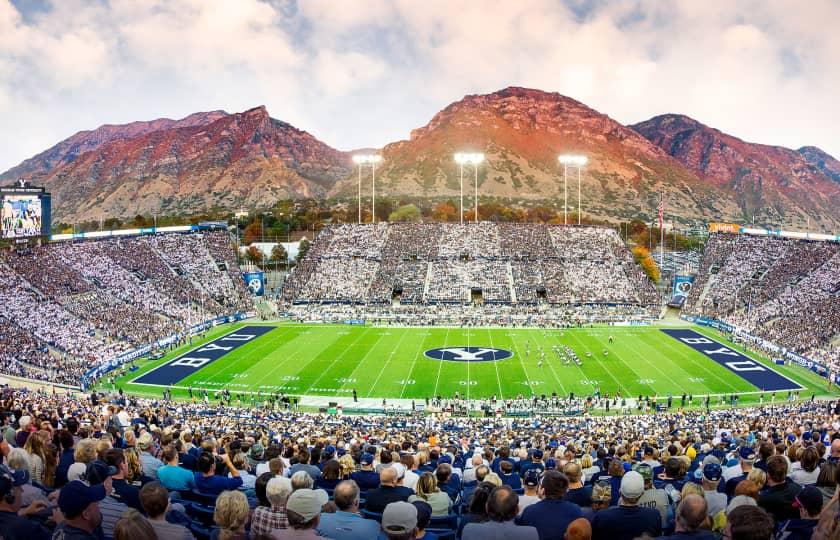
column 784, row 290
column 69, row 306
column 477, row 263
column 106, row 467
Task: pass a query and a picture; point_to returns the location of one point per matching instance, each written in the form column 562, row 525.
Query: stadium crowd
column 436, row 263
column 783, row 290
column 93, row 467
column 68, row 306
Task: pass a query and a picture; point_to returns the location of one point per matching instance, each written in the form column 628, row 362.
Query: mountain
column 230, row 161
column 779, row 184
column 822, row 161
column 204, row 161
column 521, row 131
column 84, row 141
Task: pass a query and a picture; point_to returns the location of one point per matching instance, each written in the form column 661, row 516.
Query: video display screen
column 20, row 216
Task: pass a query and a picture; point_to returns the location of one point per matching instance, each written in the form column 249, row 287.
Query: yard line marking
column 347, row 349
column 385, row 366
column 515, row 343
column 440, row 366
column 496, row 364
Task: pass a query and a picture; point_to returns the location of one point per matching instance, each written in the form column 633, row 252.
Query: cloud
column 366, row 72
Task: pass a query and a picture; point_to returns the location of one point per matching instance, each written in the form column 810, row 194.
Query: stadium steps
column 426, row 281
column 701, row 300
column 511, row 288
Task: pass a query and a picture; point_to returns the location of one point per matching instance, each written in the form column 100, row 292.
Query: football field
column 419, row 363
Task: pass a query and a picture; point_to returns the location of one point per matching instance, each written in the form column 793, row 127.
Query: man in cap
column 810, row 504
column 502, row 506
column 366, row 478
column 531, row 484
column 14, row 520
column 552, row 515
column 746, row 459
column 535, row 463
column 346, row 523
column 303, row 510
column 778, row 496
column 654, row 497
column 627, row 520
column 399, row 521
column 99, row 472
column 388, row 491
column 79, row 504
column 715, row 500
column 650, row 457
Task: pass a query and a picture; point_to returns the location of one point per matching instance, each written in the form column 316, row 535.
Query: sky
column 363, row 73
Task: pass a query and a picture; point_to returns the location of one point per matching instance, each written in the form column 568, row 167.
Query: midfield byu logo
column 469, row 354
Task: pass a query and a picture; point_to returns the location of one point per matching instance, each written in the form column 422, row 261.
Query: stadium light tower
column 474, row 159
column 372, row 160
column 575, row 161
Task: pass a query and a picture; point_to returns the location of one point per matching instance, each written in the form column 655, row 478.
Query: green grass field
column 387, row 362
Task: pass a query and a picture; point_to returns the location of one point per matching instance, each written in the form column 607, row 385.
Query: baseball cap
column 712, row 472
column 746, row 453
column 76, row 496
column 424, row 512
column 532, row 477
column 10, row 478
column 98, row 471
column 307, row 502
column 645, row 470
column 444, row 459
column 399, row 517
column 632, row 485
column 329, row 450
column 810, row 499
column 538, row 454
column 400, row 468
column 648, row 450
column 366, row 459
column 550, row 463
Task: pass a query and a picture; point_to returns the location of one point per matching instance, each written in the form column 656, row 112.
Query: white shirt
column 527, row 500
column 732, row 472
column 410, row 479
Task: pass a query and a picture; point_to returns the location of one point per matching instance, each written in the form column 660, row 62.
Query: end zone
column 196, row 359
column 742, row 365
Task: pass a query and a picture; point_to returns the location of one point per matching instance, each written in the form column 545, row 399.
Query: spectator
column 715, row 501
column 15, row 520
column 692, row 520
column 133, row 526
column 240, row 464
column 748, row 523
column 502, row 507
column 123, row 491
column 100, row 473
column 149, row 463
column 653, row 497
column 387, row 492
column 509, row 478
column 155, row 501
column 552, row 515
column 303, row 509
column 399, row 521
column 531, row 495
column 809, row 501
column 427, row 490
column 346, row 523
column 231, row 515
column 206, row 479
column 579, row 529
column 271, row 517
column 628, row 520
column 366, row 478
column 778, row 498
column 79, row 505
column 171, row 475
column 578, row 493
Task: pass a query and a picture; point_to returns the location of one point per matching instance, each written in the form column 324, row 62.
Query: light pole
column 472, row 159
column 372, row 160
column 575, row 161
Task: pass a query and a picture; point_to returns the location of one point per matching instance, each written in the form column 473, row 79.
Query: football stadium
column 525, row 319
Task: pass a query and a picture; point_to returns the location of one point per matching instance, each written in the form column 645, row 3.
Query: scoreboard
column 25, row 211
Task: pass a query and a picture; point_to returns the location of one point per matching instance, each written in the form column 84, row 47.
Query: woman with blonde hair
column 757, row 477
column 347, row 466
column 37, row 451
column 428, row 491
column 132, row 461
column 231, row 515
column 587, row 467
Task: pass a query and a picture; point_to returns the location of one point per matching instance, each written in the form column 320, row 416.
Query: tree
column 254, row 255
column 408, row 212
column 445, row 212
column 278, row 253
column 643, row 258
column 303, row 249
column 253, row 232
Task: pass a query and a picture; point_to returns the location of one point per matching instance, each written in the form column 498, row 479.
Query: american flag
column 661, row 210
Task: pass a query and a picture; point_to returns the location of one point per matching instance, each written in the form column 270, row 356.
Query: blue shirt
column 347, row 526
column 626, row 523
column 551, row 517
column 176, row 478
column 213, row 485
